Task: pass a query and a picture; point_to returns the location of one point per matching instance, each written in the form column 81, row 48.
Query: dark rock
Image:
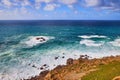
column 40, row 77
column 41, row 68
column 34, row 66
column 63, row 57
column 69, row 61
column 37, row 38
column 44, row 73
column 82, row 56
column 56, row 58
column 29, row 64
column 45, row 65
column 42, row 38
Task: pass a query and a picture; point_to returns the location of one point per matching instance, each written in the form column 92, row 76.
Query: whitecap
column 90, row 43
column 116, row 42
column 92, row 36
column 35, row 40
column 25, row 71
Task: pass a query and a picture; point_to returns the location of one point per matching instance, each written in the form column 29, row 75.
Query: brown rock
column 69, row 61
column 116, row 78
column 82, row 56
column 37, row 38
column 43, row 73
column 58, row 67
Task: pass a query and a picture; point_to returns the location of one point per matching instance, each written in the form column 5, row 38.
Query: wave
column 91, row 43
column 35, row 40
column 92, row 36
column 116, row 42
column 23, row 67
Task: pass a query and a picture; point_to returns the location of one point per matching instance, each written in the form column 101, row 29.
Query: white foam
column 36, row 40
column 90, row 43
column 92, row 36
column 116, row 42
column 24, row 71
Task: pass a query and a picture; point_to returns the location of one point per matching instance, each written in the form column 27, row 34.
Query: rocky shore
column 75, row 69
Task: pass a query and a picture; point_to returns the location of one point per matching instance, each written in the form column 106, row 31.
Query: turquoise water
column 19, row 49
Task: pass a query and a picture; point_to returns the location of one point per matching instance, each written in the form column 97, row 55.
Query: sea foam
column 36, row 40
column 116, row 42
column 90, row 43
column 21, row 67
column 92, row 36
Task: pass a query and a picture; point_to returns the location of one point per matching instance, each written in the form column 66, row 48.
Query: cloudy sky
column 59, row 9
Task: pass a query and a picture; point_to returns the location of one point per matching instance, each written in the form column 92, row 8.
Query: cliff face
column 75, row 69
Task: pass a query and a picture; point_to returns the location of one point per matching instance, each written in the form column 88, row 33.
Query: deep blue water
column 19, row 48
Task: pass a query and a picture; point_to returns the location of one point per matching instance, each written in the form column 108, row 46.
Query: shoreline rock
column 40, row 76
column 74, row 65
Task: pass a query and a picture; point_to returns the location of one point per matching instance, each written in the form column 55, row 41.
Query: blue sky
column 59, row 9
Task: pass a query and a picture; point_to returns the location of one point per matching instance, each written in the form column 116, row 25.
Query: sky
column 59, row 9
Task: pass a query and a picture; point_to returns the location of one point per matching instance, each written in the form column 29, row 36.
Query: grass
column 104, row 72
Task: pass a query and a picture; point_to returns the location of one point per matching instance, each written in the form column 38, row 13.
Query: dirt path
column 116, row 78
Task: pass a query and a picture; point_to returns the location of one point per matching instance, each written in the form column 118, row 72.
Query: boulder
column 69, row 61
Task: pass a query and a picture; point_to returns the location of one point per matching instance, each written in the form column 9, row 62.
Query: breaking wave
column 22, row 64
column 35, row 40
column 116, row 42
column 92, row 36
column 91, row 43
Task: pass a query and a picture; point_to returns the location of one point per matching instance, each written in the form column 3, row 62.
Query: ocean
column 26, row 46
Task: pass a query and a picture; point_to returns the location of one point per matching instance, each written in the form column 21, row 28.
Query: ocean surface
column 22, row 54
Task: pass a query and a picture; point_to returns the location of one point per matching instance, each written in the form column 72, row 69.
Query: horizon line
column 58, row 20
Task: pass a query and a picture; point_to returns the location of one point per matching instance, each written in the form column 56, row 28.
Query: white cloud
column 68, row 1
column 37, row 6
column 71, row 6
column 23, row 10
column 46, row 1
column 25, row 3
column 6, row 3
column 50, row 7
column 106, row 7
column 1, row 11
column 76, row 12
column 115, row 10
column 92, row 3
column 16, row 14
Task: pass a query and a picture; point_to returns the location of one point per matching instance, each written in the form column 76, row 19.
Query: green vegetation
column 104, row 72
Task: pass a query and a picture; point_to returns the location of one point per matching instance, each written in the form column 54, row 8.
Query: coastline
column 75, row 69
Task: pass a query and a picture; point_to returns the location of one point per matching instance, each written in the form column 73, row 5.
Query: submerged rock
column 56, row 58
column 34, row 66
column 63, row 57
column 41, row 68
